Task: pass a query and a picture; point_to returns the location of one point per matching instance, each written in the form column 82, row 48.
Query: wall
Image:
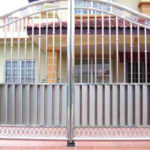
column 40, row 67
column 133, row 4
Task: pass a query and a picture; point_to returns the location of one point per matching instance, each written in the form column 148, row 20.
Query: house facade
column 81, row 67
column 40, row 73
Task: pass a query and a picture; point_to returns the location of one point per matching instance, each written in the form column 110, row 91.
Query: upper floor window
column 79, row 3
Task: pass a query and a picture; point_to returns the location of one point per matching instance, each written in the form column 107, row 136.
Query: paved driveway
column 60, row 145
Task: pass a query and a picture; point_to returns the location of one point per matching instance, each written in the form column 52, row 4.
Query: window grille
column 20, row 72
column 81, row 3
column 99, row 69
column 136, row 73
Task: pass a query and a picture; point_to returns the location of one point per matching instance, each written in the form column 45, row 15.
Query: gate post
column 70, row 70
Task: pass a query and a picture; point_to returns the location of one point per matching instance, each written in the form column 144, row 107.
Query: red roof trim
column 92, row 23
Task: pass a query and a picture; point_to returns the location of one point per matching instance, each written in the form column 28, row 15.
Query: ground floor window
column 137, row 75
column 20, row 71
column 102, row 73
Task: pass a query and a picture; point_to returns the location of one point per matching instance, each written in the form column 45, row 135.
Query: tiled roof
column 92, row 23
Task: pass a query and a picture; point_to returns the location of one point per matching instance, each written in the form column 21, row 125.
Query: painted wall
column 40, row 64
column 133, row 4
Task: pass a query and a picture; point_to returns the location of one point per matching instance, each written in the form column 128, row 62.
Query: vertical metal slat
column 100, row 105
column 107, row 105
column 26, row 104
column 56, row 105
column 92, row 105
column 84, row 105
column 137, row 105
column 18, row 105
column 117, row 51
column 115, row 105
column 11, row 105
column 4, row 104
column 64, row 105
column 34, row 105
column 103, row 79
column 145, row 105
column 77, row 105
column 41, row 105
column 130, row 105
column 49, row 106
column 122, row 105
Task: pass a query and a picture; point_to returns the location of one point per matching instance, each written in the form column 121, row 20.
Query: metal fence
column 74, row 71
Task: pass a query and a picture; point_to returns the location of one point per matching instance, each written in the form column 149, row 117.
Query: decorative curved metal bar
column 118, row 15
column 30, row 5
column 119, row 6
column 121, row 11
column 28, row 10
column 117, row 10
column 49, row 10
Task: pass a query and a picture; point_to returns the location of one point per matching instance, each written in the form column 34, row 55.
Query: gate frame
column 70, row 70
column 70, row 51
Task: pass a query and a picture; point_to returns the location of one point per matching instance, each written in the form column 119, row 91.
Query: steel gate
column 75, row 70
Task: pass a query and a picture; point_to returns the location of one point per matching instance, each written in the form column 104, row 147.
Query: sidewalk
column 85, row 145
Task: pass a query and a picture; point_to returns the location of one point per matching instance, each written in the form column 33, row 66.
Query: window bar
column 145, row 52
column 138, row 35
column 53, row 57
column 18, row 50
column 110, row 7
column 110, row 49
column 117, row 51
column 95, row 47
column 5, row 79
column 32, row 48
column 39, row 72
column 5, row 43
column 88, row 40
column 11, row 49
column 131, row 50
column 60, row 55
column 124, row 48
column 92, row 6
column 22, row 24
column 25, row 52
column 81, row 45
column 92, row 70
column 46, row 42
column 103, row 47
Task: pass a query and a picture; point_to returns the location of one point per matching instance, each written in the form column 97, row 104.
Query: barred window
column 137, row 74
column 20, row 72
column 100, row 75
column 81, row 3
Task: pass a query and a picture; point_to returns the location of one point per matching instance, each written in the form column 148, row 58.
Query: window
column 81, row 3
column 20, row 72
column 99, row 71
column 136, row 74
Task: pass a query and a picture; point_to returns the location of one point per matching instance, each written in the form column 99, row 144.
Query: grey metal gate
column 34, row 87
column 111, row 72
column 74, row 70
